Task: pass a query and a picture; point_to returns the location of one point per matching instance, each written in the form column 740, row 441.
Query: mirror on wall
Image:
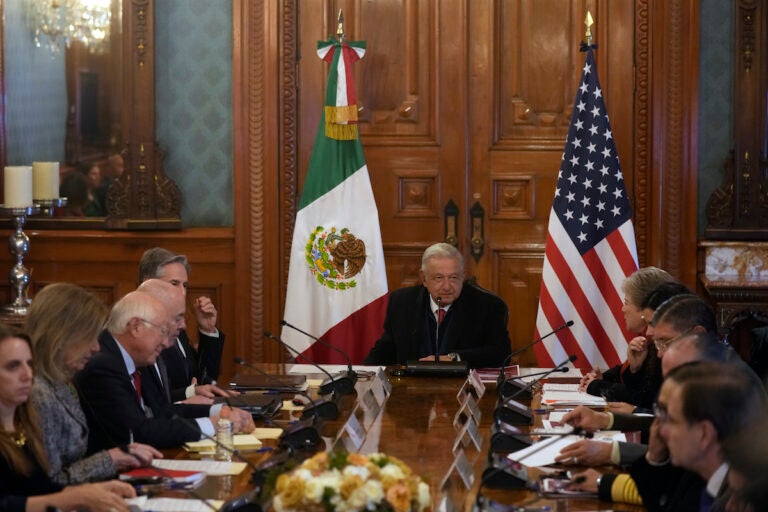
column 77, row 99
column 63, row 97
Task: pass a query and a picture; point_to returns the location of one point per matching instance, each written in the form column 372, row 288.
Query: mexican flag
column 337, row 283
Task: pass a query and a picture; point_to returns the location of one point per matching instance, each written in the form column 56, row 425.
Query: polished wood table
column 416, row 424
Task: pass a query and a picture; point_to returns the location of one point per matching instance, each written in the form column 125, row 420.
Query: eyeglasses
column 163, row 329
column 664, row 343
column 440, row 279
column 661, row 413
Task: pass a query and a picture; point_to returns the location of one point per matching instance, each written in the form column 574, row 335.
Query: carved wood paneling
column 514, row 197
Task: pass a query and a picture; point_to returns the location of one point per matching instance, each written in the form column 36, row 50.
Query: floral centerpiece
column 346, row 482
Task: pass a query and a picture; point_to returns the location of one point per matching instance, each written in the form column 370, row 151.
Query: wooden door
column 469, row 101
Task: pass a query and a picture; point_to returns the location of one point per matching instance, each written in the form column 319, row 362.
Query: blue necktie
column 706, row 501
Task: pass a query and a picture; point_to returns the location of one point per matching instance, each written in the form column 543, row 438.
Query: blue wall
column 36, row 114
column 193, row 77
column 715, row 97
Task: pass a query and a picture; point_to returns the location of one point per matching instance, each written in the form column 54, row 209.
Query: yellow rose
column 357, row 459
column 349, row 484
column 399, row 497
column 291, row 490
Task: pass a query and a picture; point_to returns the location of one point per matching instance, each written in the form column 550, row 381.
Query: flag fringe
column 341, row 114
column 341, row 131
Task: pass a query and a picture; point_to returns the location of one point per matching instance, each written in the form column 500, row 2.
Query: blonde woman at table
column 24, row 483
column 63, row 323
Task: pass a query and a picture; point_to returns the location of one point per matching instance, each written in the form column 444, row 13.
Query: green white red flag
column 337, row 283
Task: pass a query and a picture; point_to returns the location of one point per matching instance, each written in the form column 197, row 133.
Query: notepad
column 242, row 442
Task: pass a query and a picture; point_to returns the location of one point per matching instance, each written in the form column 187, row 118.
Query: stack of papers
column 177, row 475
column 568, row 395
column 489, row 375
column 241, row 442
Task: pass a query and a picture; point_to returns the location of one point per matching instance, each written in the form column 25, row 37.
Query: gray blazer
column 65, row 435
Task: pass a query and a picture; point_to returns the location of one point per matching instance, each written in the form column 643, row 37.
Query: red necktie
column 440, row 316
column 137, row 384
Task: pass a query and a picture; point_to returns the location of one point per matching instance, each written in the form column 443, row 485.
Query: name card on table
column 469, row 408
column 383, row 380
column 352, row 434
column 472, row 386
column 469, row 432
column 463, row 467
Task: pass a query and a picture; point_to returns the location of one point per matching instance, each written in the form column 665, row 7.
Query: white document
column 554, row 386
column 572, row 398
column 544, row 452
column 209, row 467
column 173, row 504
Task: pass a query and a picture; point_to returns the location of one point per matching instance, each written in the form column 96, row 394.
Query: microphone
column 342, row 386
column 326, row 409
column 301, row 435
column 512, row 411
column 516, row 386
column 439, row 301
column 569, row 323
column 505, row 473
column 351, row 374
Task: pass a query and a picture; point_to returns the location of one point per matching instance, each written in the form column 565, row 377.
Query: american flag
column 590, row 246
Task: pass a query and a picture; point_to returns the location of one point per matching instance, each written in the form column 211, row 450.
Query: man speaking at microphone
column 470, row 323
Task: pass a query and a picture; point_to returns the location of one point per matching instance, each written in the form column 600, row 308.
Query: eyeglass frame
column 664, row 344
column 163, row 329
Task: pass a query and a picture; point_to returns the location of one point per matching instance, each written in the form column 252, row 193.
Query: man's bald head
column 172, row 297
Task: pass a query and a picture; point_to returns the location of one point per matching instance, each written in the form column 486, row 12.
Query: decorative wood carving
column 738, row 208
column 143, row 197
column 642, row 163
column 514, row 197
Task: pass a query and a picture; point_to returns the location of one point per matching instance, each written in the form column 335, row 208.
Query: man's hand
column 242, row 421
column 444, row 358
column 198, row 400
column 586, row 418
column 637, row 351
column 586, row 452
column 585, row 481
column 210, row 390
column 206, row 314
column 658, row 452
column 595, row 374
column 621, row 407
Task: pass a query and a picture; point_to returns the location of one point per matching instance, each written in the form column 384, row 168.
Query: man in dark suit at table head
column 191, row 371
column 471, row 323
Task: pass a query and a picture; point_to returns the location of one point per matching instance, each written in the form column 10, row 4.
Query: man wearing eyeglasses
column 111, row 383
column 470, row 323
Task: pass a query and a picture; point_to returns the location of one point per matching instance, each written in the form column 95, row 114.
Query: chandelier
column 57, row 23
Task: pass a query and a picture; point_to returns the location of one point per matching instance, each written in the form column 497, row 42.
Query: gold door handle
column 477, row 218
column 451, row 223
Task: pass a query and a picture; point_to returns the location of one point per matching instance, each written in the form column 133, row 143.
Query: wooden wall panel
column 107, row 264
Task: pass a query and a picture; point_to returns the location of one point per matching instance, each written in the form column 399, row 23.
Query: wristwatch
column 454, row 356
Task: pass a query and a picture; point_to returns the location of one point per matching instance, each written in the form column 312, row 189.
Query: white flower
column 423, row 496
column 374, row 490
column 393, row 471
column 277, row 504
column 360, row 471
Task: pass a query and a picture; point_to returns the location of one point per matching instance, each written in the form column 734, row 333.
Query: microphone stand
column 501, row 379
column 439, row 301
column 341, row 386
column 516, row 386
column 513, row 412
column 351, row 373
column 301, row 435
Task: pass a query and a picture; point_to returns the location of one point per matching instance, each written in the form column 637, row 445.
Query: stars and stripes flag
column 590, row 247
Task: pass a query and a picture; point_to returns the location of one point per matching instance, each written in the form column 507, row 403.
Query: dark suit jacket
column 478, row 329
column 204, row 363
column 112, row 409
column 667, row 488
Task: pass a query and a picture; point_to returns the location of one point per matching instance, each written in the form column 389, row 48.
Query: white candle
column 18, row 186
column 45, row 180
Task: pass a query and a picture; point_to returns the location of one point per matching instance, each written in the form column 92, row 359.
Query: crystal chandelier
column 56, row 23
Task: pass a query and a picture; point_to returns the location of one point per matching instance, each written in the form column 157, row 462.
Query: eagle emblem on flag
column 334, row 257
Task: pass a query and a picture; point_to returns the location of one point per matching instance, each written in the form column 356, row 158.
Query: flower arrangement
column 347, row 482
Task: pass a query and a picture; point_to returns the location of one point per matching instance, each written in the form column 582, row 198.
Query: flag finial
column 588, row 22
column 340, row 29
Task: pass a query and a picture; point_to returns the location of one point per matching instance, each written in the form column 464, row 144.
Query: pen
column 130, row 436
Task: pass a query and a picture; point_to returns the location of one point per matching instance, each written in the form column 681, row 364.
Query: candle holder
column 47, row 206
column 18, row 246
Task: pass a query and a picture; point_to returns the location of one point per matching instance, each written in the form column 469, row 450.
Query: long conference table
column 415, row 422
